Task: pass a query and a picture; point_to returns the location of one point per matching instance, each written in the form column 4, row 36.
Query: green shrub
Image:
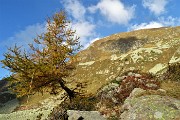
column 115, row 81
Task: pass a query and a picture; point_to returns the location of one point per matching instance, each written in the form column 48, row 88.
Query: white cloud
column 155, row 6
column 114, row 10
column 84, row 28
column 90, row 42
column 161, row 22
column 26, row 36
column 75, row 8
column 169, row 21
column 152, row 24
column 85, row 31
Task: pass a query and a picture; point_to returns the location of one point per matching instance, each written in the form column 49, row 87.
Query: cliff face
column 147, row 50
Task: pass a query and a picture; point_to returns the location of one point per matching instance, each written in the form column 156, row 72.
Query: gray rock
column 151, row 85
column 161, row 90
column 130, row 74
column 84, row 115
column 120, row 78
column 138, row 75
column 136, row 92
column 109, row 87
column 151, row 107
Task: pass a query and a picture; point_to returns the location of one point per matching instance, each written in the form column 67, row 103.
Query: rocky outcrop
column 122, row 86
column 150, row 107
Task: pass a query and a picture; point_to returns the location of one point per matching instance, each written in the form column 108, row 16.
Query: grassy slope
column 153, row 46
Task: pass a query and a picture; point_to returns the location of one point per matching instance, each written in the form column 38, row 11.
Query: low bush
column 83, row 103
column 133, row 80
column 173, row 72
column 113, row 95
column 172, row 88
column 118, row 92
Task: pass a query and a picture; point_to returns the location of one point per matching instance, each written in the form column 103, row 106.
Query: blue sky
column 23, row 20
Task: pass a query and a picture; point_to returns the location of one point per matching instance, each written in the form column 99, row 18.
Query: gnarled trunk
column 71, row 93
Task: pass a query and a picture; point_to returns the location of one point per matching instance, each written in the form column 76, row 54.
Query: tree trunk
column 70, row 92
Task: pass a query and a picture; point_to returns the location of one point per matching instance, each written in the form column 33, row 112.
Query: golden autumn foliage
column 47, row 62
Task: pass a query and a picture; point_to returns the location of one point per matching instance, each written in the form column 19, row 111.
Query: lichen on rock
column 151, row 107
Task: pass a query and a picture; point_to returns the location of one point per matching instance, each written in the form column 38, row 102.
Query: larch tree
column 47, row 62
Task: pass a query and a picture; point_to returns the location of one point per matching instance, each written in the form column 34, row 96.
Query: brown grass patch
column 172, row 88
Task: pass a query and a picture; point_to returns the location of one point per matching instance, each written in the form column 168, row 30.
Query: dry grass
column 33, row 99
column 172, row 88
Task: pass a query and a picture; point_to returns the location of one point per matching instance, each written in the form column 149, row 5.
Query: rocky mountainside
column 149, row 50
column 103, row 67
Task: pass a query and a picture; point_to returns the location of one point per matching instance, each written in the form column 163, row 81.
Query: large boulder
column 150, row 107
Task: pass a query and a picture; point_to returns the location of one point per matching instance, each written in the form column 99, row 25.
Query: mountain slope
column 103, row 61
column 147, row 50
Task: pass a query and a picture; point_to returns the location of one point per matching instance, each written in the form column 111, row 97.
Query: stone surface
column 151, row 107
column 136, row 92
column 84, row 115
